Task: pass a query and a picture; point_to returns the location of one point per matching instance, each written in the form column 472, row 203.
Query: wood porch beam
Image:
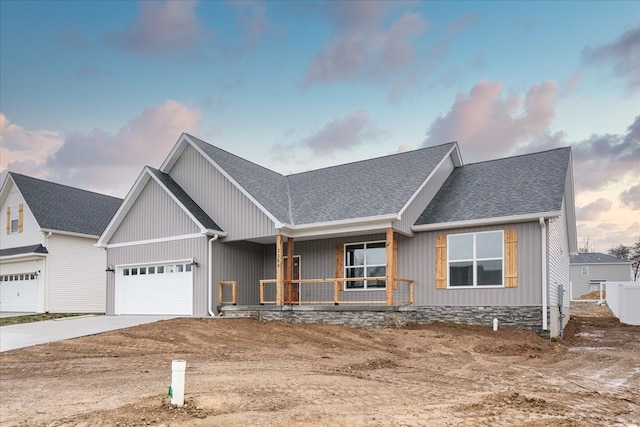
column 279, row 270
column 390, row 266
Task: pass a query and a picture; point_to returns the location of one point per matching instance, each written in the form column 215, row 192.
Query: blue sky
column 90, row 92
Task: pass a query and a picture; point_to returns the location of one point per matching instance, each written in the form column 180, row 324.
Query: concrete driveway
column 28, row 334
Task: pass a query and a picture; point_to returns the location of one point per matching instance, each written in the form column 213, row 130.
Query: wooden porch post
column 390, row 266
column 279, row 270
column 288, row 274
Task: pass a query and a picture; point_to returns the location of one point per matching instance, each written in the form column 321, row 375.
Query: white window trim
column 585, row 270
column 475, row 260
column 365, row 266
column 14, row 216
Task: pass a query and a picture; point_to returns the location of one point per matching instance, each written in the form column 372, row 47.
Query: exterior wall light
column 194, row 261
column 110, row 268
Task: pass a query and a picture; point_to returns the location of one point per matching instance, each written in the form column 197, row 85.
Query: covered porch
column 366, row 274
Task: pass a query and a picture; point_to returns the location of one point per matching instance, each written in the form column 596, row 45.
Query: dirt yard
column 244, row 372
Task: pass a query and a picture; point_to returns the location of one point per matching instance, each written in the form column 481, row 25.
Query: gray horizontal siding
column 416, row 260
column 154, row 215
column 424, row 197
column 232, row 210
column 160, row 252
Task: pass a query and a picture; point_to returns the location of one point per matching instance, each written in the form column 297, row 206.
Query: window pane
column 179, row 268
column 152, row 270
column 125, row 272
column 160, row 269
column 376, row 271
column 490, row 272
column 377, row 284
column 376, row 253
column 461, row 273
column 461, row 246
column 170, row 268
column 143, row 270
column 354, row 272
column 489, row 245
column 187, row 267
column 134, row 271
column 355, row 255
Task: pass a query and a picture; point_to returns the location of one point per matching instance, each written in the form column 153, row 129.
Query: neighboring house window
column 14, row 219
column 365, row 260
column 475, row 259
column 585, row 270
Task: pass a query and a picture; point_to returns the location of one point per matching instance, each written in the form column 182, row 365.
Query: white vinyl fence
column 623, row 298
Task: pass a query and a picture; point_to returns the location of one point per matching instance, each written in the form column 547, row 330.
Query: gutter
column 543, row 248
column 511, row 219
column 46, row 273
column 210, row 275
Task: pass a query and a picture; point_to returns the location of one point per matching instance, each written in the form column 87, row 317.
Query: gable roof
column 368, row 188
column 364, row 189
column 509, row 187
column 185, row 200
column 596, row 258
column 22, row 250
column 60, row 207
column 177, row 193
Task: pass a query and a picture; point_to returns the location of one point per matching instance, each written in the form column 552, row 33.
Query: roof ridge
column 63, row 185
column 235, row 155
column 568, row 147
column 371, row 159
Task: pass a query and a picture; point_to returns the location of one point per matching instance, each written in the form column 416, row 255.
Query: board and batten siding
column 416, row 260
column 558, row 271
column 424, row 197
column 76, row 280
column 176, row 250
column 241, row 262
column 232, row 210
column 154, row 215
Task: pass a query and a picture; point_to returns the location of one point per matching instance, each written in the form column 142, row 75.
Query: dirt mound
column 594, row 295
column 246, row 372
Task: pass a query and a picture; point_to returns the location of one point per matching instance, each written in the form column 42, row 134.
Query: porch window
column 476, row 259
column 365, row 260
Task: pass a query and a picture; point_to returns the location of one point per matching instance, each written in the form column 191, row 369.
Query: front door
column 292, row 290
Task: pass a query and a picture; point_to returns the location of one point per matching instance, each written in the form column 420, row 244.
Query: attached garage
column 159, row 288
column 19, row 292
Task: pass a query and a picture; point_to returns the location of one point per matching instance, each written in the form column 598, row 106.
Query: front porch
column 366, row 274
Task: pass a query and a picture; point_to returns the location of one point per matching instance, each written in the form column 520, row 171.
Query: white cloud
column 593, row 210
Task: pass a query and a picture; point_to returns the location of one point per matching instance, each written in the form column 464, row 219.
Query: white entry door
column 155, row 289
column 19, row 292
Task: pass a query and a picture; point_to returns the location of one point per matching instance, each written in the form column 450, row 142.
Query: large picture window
column 476, row 259
column 365, row 260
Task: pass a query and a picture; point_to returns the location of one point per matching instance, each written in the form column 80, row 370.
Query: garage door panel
column 167, row 293
column 19, row 293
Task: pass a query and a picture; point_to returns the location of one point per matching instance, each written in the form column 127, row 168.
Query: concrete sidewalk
column 28, row 334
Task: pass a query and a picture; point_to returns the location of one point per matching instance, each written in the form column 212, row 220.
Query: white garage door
column 19, row 292
column 155, row 289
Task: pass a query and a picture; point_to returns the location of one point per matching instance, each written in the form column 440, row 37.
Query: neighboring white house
column 48, row 258
column 589, row 269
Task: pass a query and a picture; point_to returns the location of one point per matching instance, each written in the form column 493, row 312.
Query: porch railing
column 331, row 291
column 227, row 292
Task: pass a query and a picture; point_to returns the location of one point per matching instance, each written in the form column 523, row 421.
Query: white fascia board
column 69, row 233
column 158, row 240
column 126, row 204
column 512, row 219
column 175, row 153
column 412, row 198
column 264, row 210
column 22, row 257
column 570, row 207
column 345, row 226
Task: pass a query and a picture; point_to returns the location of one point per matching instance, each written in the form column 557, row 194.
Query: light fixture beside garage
column 194, row 261
column 110, row 268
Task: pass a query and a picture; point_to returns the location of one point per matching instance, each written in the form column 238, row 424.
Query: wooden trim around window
column 511, row 258
column 441, row 262
column 20, row 218
column 8, row 220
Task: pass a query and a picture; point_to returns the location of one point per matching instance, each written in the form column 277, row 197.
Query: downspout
column 46, row 273
column 543, row 248
column 210, row 274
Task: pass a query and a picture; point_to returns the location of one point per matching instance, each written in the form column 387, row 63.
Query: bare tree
column 586, row 247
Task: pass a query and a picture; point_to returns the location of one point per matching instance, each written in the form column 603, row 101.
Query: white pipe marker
column 178, row 368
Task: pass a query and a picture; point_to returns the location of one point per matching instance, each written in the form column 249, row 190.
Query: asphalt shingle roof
column 31, row 249
column 355, row 190
column 595, row 258
column 531, row 183
column 63, row 208
column 185, row 199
